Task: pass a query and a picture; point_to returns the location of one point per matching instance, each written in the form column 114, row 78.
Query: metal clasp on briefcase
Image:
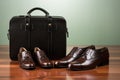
column 51, row 27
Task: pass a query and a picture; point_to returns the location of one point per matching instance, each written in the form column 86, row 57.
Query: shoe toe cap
column 28, row 66
column 60, row 64
column 70, row 66
column 56, row 63
column 47, row 65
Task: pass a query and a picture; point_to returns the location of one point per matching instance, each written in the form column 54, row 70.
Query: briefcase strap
column 50, row 36
column 28, row 29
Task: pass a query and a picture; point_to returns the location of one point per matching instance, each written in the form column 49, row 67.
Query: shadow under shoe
column 42, row 60
column 74, row 54
column 25, row 60
column 90, row 59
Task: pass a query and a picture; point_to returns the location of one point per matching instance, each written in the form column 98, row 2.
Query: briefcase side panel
column 18, row 36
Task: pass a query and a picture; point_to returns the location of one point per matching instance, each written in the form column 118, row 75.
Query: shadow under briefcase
column 46, row 32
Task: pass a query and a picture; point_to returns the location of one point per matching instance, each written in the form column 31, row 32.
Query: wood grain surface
column 10, row 70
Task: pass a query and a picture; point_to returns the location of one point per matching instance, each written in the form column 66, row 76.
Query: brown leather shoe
column 42, row 59
column 25, row 60
column 74, row 54
column 90, row 59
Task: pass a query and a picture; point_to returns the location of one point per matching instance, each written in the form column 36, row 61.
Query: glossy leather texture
column 74, row 54
column 25, row 59
column 42, row 59
column 90, row 59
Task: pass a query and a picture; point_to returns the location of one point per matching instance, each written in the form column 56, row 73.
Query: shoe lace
column 27, row 58
column 88, row 54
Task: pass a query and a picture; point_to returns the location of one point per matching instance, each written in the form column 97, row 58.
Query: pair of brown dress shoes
column 26, row 59
column 84, row 58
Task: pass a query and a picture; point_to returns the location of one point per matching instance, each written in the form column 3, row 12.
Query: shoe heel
column 104, row 62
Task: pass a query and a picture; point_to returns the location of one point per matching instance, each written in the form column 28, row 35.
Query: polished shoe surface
column 42, row 59
column 74, row 54
column 90, row 59
column 25, row 60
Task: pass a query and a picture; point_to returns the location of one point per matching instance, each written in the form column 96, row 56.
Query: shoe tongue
column 76, row 53
column 89, row 54
column 24, row 54
column 38, row 54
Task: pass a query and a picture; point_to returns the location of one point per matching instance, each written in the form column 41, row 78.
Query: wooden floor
column 10, row 70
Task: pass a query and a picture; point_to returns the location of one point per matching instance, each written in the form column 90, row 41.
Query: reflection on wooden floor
column 10, row 70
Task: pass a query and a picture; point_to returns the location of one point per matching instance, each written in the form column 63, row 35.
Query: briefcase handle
column 37, row 8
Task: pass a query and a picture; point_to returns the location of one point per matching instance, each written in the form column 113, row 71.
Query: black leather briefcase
column 46, row 32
